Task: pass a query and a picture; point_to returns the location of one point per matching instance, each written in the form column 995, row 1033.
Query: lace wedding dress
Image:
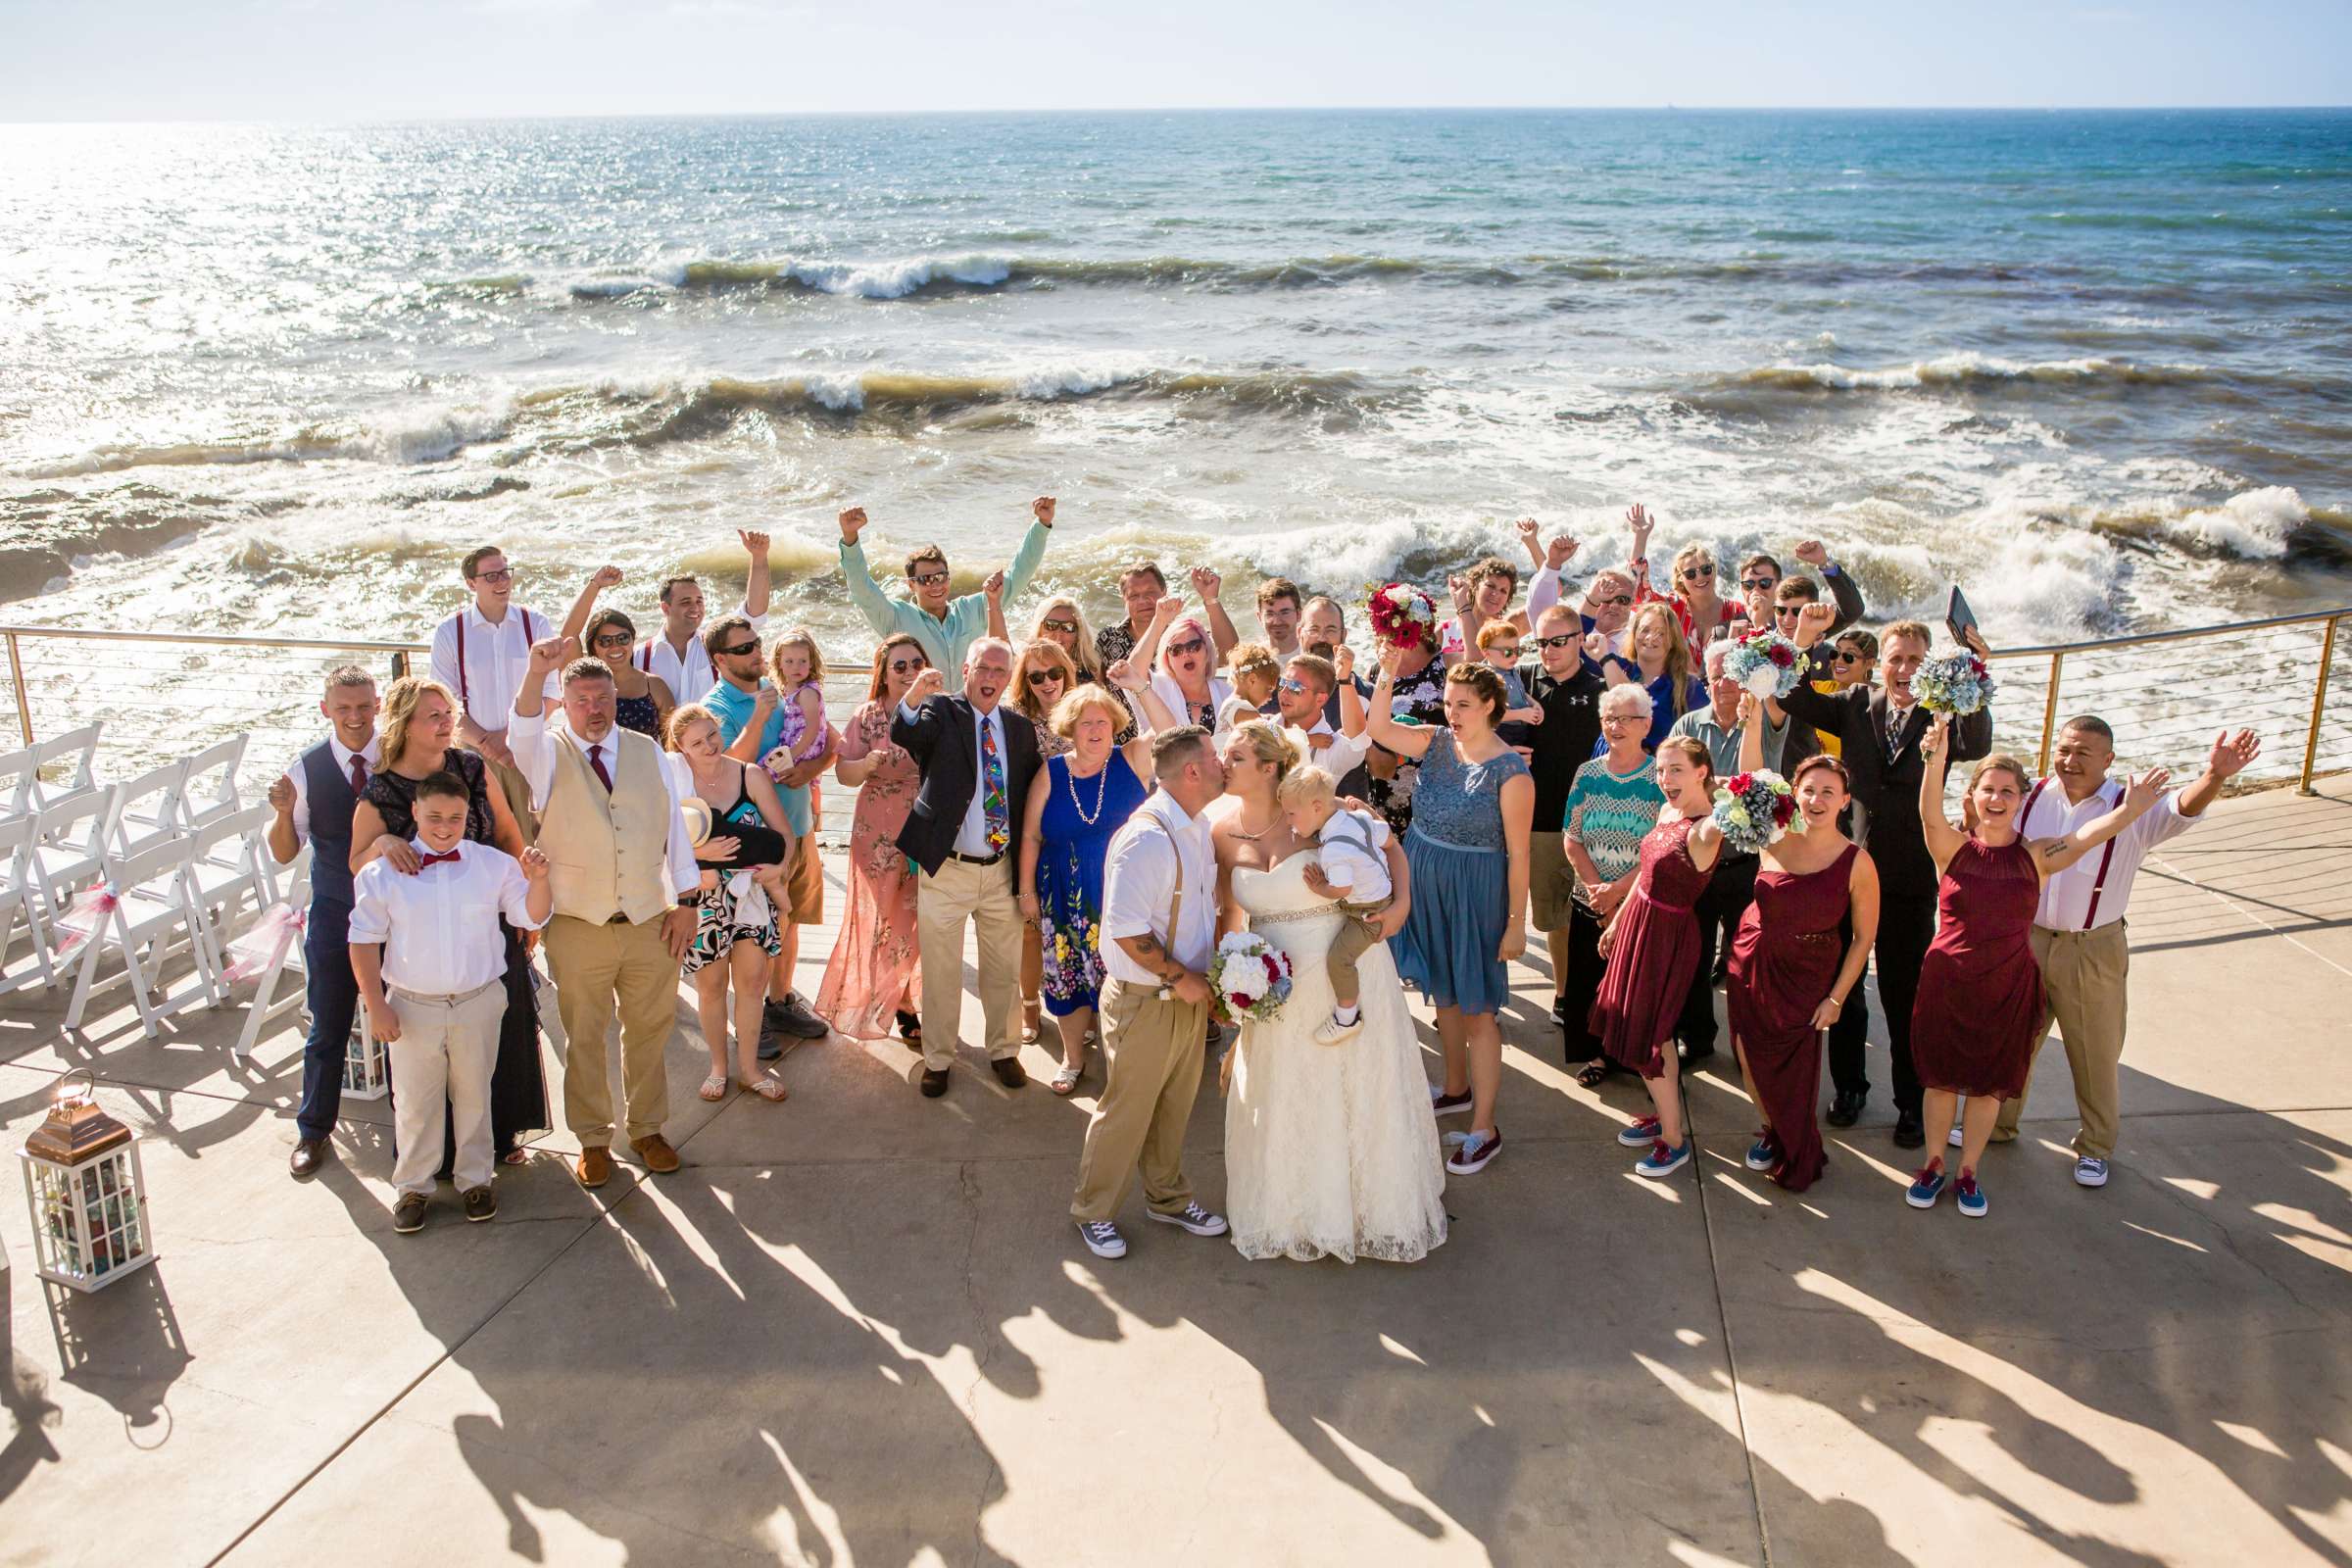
column 1330, row 1150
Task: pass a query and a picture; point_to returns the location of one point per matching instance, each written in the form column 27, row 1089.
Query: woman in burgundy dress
column 1651, row 945
column 1979, row 1011
column 1787, row 985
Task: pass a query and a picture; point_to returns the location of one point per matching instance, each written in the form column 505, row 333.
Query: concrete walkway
column 857, row 1330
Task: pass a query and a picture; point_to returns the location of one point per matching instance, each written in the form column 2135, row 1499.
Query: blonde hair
column 1307, row 785
column 1074, row 704
column 1056, row 655
column 2000, row 763
column 1678, row 669
column 400, row 710
column 1684, row 557
column 686, row 713
column 1086, row 656
column 1268, row 744
column 798, row 637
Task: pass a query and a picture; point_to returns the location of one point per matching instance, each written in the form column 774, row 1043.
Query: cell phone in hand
column 1958, row 618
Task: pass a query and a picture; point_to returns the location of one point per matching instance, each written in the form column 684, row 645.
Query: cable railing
column 2165, row 693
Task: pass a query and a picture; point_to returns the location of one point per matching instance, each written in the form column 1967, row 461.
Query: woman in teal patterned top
column 1612, row 804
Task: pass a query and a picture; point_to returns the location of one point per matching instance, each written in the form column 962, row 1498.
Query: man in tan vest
column 624, row 880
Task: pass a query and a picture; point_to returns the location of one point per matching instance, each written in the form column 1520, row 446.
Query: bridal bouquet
column 1251, row 978
column 1954, row 683
column 1755, row 809
column 1402, row 617
column 1764, row 664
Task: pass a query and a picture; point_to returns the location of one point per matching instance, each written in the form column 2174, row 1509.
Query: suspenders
column 528, row 636
column 2091, row 916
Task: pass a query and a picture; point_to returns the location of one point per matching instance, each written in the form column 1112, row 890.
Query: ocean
column 2095, row 367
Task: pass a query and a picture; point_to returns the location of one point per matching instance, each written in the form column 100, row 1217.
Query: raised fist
column 755, row 543
column 1206, row 583
column 281, row 794
column 851, row 520
column 930, row 683
column 1563, row 547
column 1043, row 510
column 1813, row 552
column 605, row 577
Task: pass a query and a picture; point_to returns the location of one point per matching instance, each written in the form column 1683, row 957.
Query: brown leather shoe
column 480, row 1202
column 1009, row 1072
column 408, row 1215
column 309, row 1155
column 594, row 1167
column 655, row 1151
column 935, row 1082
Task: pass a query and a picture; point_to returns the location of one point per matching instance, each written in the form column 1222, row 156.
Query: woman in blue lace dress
column 1473, row 804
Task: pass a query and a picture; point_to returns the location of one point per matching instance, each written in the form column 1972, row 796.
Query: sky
column 347, row 60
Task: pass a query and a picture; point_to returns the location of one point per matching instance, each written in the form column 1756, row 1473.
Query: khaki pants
column 445, row 1047
column 593, row 966
column 1154, row 1049
column 1352, row 941
column 982, row 895
column 2083, row 976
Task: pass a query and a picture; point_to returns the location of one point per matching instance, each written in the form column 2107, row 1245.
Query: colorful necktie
column 359, row 772
column 434, row 860
column 992, row 787
column 1896, row 717
column 596, row 759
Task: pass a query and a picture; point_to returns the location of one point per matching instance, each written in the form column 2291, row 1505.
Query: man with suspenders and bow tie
column 480, row 654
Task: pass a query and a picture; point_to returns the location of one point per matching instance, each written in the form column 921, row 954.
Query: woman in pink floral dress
column 873, row 975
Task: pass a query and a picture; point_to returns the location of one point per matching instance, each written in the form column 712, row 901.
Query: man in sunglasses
column 1562, row 682
column 947, row 627
column 675, row 656
column 480, row 653
column 1301, row 700
column 1766, row 588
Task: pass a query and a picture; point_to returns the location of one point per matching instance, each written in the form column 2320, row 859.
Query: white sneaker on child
column 1332, row 1032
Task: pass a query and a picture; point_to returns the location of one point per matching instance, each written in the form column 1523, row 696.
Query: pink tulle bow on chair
column 258, row 950
column 85, row 917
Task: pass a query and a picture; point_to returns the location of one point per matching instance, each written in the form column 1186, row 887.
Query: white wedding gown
column 1330, row 1150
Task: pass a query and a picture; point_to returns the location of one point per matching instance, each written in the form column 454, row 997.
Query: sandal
column 1594, row 1072
column 515, row 1157
column 1066, row 1081
column 769, row 1087
column 714, row 1088
column 910, row 1029
column 1029, row 1034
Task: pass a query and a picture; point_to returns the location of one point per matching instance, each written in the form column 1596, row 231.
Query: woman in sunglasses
column 640, row 702
column 1692, row 588
column 1042, row 676
column 1183, row 659
column 873, row 972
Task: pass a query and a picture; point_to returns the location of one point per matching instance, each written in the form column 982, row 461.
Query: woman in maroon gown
column 1787, row 985
column 1651, row 945
column 1979, row 1012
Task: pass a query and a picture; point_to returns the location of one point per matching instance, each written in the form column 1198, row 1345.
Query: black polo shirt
column 1565, row 740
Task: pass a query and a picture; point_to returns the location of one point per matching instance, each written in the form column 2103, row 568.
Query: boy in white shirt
column 426, row 951
column 1348, row 855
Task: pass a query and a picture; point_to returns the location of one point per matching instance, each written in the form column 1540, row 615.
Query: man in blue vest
column 314, row 801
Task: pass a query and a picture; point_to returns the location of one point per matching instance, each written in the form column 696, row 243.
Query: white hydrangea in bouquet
column 1755, row 809
column 1251, row 977
column 1402, row 617
column 1955, row 683
column 1764, row 662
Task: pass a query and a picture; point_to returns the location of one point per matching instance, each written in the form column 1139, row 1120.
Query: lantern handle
column 58, row 1090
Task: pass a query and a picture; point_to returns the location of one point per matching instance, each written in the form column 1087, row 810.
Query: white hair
column 1631, row 697
column 980, row 645
column 1717, row 652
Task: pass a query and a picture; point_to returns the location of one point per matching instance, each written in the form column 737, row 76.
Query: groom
column 1160, row 917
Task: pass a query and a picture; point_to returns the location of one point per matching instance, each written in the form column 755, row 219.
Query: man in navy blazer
column 964, row 834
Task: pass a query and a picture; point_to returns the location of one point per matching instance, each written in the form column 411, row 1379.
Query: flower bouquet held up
column 1252, row 979
column 1764, row 664
column 1402, row 617
column 1754, row 810
column 1955, row 683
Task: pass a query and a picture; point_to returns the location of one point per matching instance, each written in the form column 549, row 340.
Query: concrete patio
column 857, row 1329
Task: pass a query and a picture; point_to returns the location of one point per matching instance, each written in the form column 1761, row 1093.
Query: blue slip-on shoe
column 1762, row 1155
column 1662, row 1160
column 1926, row 1187
column 1641, row 1134
column 1968, row 1196
column 2090, row 1172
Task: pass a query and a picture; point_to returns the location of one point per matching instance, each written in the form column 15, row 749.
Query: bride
column 1329, row 1150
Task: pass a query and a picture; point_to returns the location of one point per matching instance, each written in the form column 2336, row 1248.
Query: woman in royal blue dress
column 1080, row 798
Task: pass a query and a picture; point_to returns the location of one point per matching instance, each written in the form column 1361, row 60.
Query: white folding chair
column 69, row 848
column 228, row 866
column 73, row 756
column 154, row 897
column 210, row 790
column 16, row 896
column 268, row 1006
column 147, row 809
column 18, row 770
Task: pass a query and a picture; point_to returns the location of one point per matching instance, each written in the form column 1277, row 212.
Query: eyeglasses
column 1609, row 720
column 1617, row 599
column 739, row 649
column 1292, row 685
column 502, row 574
column 618, row 639
column 897, row 667
column 1695, row 573
column 1563, row 640
column 1759, row 584
column 1056, row 623
column 926, row 579
column 1191, row 645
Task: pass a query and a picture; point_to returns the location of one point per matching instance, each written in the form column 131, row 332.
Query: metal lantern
column 367, row 1070
column 86, row 1191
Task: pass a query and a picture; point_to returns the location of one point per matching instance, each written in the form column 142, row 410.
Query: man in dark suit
column 1879, row 731
column 977, row 762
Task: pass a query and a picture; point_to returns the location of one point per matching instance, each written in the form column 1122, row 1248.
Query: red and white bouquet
column 1402, row 617
column 1251, row 977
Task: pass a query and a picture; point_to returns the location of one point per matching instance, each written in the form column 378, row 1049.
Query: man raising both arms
column 945, row 626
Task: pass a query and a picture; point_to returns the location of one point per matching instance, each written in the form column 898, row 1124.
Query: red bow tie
column 435, row 860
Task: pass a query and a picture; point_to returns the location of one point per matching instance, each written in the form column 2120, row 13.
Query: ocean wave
column 1957, row 369
column 433, row 433
column 2251, row 525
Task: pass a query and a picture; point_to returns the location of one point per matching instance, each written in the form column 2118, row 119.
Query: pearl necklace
column 1101, row 787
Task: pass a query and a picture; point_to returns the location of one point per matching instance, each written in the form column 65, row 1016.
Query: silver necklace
column 1101, row 787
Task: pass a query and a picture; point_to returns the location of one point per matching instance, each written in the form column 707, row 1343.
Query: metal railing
column 2166, row 692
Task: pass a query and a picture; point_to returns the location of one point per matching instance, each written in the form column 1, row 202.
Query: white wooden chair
column 268, row 1006
column 155, row 898
column 210, row 792
column 68, row 849
column 18, row 898
column 230, row 868
column 74, row 755
column 17, row 771
column 147, row 809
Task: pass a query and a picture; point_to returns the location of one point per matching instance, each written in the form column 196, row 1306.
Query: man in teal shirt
column 946, row 627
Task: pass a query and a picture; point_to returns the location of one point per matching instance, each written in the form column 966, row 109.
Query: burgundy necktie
column 359, row 772
column 596, row 759
column 434, row 860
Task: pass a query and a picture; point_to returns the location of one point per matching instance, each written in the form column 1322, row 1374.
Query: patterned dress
column 1074, row 842
column 718, row 922
column 1420, row 700
column 874, row 966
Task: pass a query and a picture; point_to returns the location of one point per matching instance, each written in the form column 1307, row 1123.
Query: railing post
column 16, row 675
column 2319, row 702
column 2049, row 716
column 400, row 666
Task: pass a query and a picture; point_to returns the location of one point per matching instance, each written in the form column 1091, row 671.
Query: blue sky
column 398, row 59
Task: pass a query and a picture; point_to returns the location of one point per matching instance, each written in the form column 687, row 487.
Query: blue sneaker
column 1641, row 1134
column 2090, row 1172
column 1662, row 1160
column 1968, row 1196
column 1762, row 1155
column 1926, row 1187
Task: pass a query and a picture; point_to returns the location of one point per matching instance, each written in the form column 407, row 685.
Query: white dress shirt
column 496, row 658
column 535, row 740
column 972, row 837
column 1139, row 881
column 1343, row 755
column 298, row 775
column 2066, row 897
column 688, row 675
column 1348, row 851
column 440, row 926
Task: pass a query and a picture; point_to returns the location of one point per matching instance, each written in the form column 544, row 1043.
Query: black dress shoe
column 309, row 1155
column 935, row 1082
column 1846, row 1107
column 1697, row 1052
column 1008, row 1072
column 1559, row 1011
column 1909, row 1131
